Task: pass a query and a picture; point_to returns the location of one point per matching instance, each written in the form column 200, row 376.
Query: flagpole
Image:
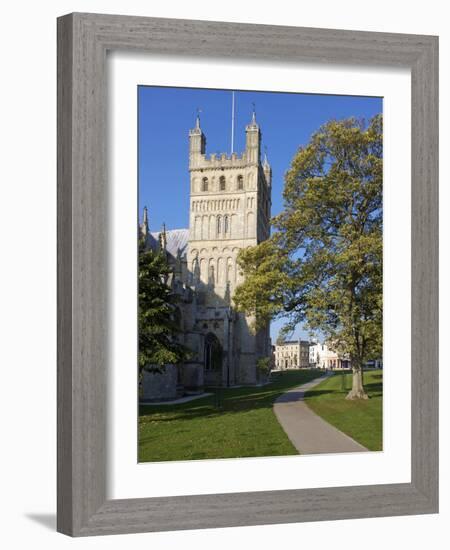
column 232, row 122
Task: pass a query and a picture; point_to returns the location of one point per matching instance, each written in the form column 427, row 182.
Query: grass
column 244, row 426
column 361, row 420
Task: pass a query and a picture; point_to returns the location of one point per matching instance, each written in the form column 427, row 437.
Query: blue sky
column 165, row 116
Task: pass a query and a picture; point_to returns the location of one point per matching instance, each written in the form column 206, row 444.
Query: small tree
column 263, row 365
column 323, row 265
column 158, row 314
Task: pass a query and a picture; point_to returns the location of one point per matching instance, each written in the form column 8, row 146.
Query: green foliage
column 263, row 365
column 323, row 264
column 159, row 322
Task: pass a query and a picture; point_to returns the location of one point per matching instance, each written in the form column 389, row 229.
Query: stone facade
column 230, row 203
column 292, row 355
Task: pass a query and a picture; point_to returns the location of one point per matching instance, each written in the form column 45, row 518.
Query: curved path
column 309, row 433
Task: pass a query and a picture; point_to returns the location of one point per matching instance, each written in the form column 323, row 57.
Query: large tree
column 322, row 265
column 159, row 324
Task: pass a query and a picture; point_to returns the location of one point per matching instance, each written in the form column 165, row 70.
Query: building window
column 219, row 225
column 205, row 184
column 226, row 224
column 240, row 182
column 212, row 353
column 211, row 278
column 222, row 183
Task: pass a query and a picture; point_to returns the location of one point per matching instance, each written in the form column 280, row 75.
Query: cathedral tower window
column 226, row 224
column 211, row 275
column 222, row 183
column 205, row 184
column 219, row 225
column 230, row 270
column 240, row 182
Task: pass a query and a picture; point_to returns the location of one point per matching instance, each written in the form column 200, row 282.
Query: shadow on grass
column 316, row 393
column 234, row 400
column 374, row 389
column 230, row 406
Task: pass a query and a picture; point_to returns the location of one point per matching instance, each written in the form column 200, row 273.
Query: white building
column 323, row 357
column 293, row 354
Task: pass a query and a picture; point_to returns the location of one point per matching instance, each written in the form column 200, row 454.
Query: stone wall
column 192, row 377
column 159, row 386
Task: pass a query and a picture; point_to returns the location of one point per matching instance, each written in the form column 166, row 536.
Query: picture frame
column 83, row 41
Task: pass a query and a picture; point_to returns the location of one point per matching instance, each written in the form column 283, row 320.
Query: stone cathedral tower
column 230, row 203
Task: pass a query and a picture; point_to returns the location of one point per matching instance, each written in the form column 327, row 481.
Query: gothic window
column 219, row 225
column 240, row 182
column 226, row 224
column 211, row 276
column 233, row 226
column 205, row 227
column 203, row 270
column 250, row 224
column 198, row 228
column 222, row 183
column 212, row 352
column 220, row 270
column 205, row 184
column 230, row 277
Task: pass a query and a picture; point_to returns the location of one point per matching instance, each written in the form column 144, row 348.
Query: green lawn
column 244, row 426
column 361, row 420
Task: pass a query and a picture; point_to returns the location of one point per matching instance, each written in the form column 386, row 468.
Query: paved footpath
column 309, row 433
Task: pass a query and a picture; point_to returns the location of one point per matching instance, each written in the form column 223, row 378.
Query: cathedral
column 230, row 204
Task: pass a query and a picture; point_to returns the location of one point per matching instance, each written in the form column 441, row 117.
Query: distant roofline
column 176, row 241
column 294, row 342
column 169, row 230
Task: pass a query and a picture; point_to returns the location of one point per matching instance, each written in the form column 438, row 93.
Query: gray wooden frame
column 83, row 41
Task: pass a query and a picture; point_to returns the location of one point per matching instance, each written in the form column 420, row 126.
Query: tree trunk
column 357, row 391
